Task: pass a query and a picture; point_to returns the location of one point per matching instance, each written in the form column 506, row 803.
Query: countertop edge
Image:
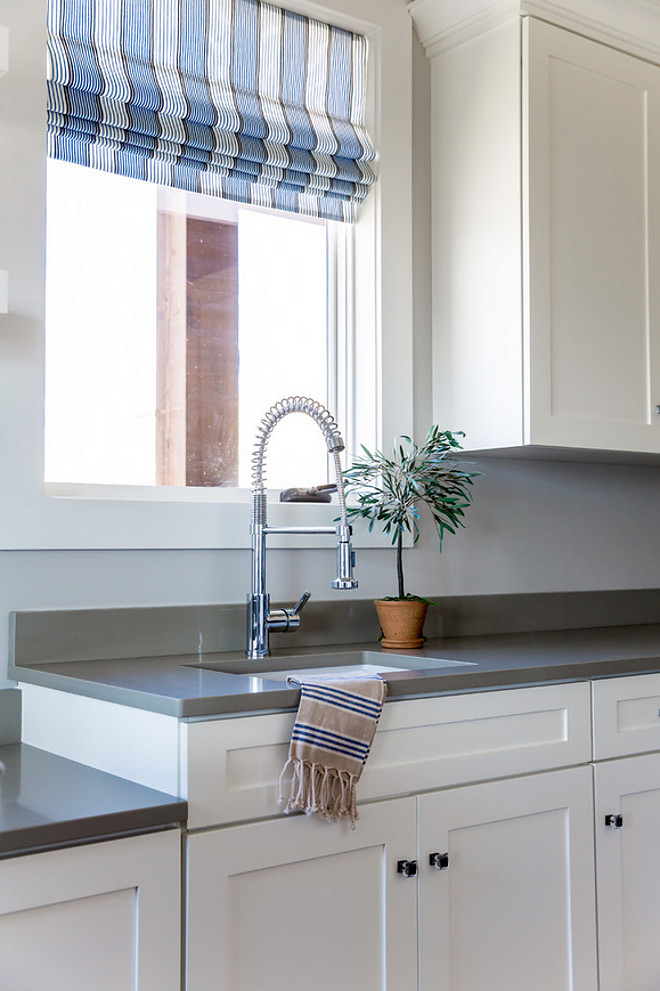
column 49, row 802
column 182, row 688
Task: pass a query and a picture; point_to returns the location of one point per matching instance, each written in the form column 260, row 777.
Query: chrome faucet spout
column 260, row 619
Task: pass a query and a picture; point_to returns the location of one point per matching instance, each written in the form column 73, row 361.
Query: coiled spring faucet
column 261, row 619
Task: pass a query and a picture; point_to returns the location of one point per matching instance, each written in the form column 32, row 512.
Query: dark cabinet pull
column 407, row 867
column 439, row 860
column 614, row 821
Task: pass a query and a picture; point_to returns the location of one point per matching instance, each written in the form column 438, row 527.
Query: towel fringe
column 314, row 788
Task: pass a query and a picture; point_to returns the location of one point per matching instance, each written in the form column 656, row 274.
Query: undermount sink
column 332, row 670
column 330, row 663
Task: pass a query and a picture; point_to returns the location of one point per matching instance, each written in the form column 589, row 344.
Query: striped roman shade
column 236, row 98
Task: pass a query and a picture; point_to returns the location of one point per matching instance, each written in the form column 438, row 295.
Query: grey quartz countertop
column 225, row 684
column 48, row 801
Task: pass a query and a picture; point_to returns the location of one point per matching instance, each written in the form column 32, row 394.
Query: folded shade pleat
column 236, row 98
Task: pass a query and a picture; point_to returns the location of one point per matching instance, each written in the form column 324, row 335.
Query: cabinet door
column 103, row 917
column 513, row 906
column 298, row 902
column 591, row 128
column 628, row 873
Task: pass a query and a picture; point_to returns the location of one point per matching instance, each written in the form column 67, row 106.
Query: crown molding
column 632, row 25
column 443, row 24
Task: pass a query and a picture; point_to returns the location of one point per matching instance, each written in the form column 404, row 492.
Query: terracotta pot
column 401, row 621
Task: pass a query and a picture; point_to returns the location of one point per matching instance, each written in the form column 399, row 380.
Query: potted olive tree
column 388, row 492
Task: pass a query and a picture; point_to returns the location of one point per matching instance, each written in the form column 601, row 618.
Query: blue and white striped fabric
column 330, row 743
column 235, row 98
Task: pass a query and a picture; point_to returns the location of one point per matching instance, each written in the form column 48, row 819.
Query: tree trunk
column 399, row 564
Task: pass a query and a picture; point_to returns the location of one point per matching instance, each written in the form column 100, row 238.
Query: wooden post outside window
column 197, row 435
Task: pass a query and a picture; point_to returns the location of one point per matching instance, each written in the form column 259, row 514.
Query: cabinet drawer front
column 230, row 767
column 626, row 714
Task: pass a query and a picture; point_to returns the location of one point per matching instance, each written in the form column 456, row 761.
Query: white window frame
column 377, row 299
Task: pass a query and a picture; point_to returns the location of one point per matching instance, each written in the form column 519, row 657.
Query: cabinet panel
column 626, row 715
column 104, row 916
column 546, row 234
column 515, row 907
column 297, row 902
column 83, row 943
column 133, row 743
column 476, row 203
column 591, row 133
column 231, row 766
column 628, row 873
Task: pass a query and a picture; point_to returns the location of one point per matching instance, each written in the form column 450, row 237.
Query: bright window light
column 173, row 321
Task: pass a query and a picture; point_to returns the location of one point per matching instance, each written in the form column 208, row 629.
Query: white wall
column 534, row 526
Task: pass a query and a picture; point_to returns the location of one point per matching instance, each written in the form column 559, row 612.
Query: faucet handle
column 287, row 619
column 301, row 603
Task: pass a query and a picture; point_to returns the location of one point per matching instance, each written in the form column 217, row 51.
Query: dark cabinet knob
column 439, row 860
column 407, row 867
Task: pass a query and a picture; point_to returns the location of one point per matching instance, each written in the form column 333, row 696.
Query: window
column 173, row 321
column 206, row 311
column 377, row 302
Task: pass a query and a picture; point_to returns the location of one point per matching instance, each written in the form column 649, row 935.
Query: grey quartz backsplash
column 90, row 634
column 10, row 716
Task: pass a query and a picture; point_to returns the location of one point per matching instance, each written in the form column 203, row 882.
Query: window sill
column 72, row 517
column 151, row 493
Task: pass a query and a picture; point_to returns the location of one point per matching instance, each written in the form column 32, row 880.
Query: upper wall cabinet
column 546, row 236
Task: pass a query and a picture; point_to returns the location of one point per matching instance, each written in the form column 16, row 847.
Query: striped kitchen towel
column 330, row 743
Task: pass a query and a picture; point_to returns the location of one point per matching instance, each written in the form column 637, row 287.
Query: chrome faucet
column 261, row 619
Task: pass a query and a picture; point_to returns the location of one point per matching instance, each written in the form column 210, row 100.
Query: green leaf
column 389, row 491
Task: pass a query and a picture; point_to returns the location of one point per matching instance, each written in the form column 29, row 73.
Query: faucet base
column 255, row 655
column 258, row 606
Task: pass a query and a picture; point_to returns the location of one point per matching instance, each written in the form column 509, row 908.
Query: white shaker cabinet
column 511, row 905
column 271, row 898
column 299, row 902
column 100, row 917
column 546, row 239
column 507, row 885
column 591, row 133
column 626, row 722
column 628, row 872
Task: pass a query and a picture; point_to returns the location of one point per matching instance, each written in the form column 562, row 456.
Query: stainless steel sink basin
column 331, row 663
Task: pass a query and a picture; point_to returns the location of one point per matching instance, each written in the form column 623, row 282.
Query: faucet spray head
column 345, row 584
column 345, row 560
